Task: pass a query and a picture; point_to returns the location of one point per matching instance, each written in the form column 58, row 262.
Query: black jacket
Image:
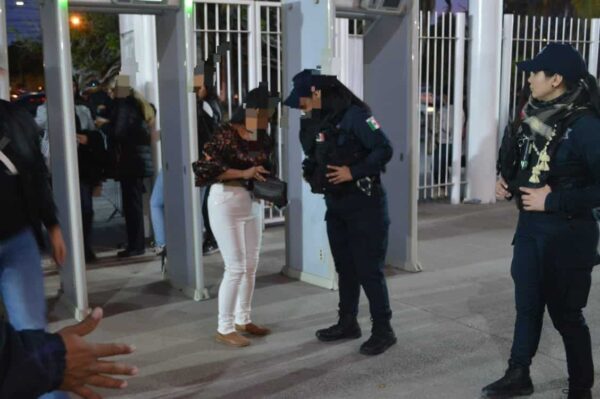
column 567, row 232
column 207, row 124
column 24, row 135
column 130, row 140
column 32, row 362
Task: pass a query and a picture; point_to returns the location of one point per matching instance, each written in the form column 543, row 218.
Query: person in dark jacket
column 346, row 153
column 34, row 362
column 209, row 116
column 552, row 170
column 129, row 131
column 26, row 204
column 91, row 159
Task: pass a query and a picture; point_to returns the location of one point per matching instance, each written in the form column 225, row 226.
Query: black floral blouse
column 227, row 150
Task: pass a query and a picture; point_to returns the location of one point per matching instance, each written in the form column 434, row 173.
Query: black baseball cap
column 302, row 83
column 560, row 58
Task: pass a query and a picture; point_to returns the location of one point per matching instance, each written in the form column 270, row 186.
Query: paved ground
column 453, row 320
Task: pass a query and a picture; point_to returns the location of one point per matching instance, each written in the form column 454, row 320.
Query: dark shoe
column 516, row 382
column 578, row 393
column 126, row 253
column 209, row 247
column 382, row 338
column 346, row 328
column 90, row 257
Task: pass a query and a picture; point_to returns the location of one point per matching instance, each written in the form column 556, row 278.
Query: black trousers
column 87, row 214
column 542, row 282
column 132, row 190
column 357, row 228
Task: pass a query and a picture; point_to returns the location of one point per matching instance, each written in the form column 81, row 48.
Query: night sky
column 23, row 21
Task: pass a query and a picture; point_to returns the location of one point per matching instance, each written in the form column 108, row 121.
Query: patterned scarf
column 542, row 118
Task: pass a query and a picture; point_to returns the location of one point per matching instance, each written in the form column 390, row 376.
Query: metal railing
column 441, row 116
column 525, row 35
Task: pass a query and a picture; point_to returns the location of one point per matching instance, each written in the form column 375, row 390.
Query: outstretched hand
column 85, row 366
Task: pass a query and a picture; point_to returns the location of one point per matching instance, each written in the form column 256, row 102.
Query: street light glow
column 76, row 21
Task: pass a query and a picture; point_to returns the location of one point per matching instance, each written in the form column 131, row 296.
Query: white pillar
column 4, row 76
column 457, row 118
column 63, row 146
column 594, row 45
column 484, row 94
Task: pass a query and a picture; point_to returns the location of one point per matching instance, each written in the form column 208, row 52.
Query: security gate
column 246, row 36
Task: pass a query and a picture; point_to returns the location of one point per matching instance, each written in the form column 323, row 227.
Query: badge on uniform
column 373, row 124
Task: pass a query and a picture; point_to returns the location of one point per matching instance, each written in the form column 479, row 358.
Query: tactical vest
column 326, row 144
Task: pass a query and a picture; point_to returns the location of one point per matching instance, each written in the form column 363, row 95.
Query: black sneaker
column 381, row 339
column 346, row 328
column 209, row 247
column 578, row 393
column 516, row 382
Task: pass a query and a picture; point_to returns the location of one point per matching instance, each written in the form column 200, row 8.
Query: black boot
column 346, row 328
column 516, row 382
column 382, row 337
column 578, row 393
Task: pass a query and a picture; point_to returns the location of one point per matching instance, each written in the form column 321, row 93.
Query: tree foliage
column 25, row 58
column 95, row 47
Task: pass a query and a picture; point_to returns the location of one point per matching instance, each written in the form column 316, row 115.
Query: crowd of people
column 549, row 164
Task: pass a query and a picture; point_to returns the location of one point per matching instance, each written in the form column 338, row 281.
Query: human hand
column 340, row 174
column 82, row 139
column 534, row 199
column 502, row 192
column 59, row 249
column 84, row 365
column 256, row 173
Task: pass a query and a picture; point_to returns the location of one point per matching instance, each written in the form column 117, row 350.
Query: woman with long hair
column 346, row 153
column 550, row 164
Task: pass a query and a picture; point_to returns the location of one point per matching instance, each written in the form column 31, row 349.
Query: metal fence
column 252, row 30
column 441, row 106
column 525, row 35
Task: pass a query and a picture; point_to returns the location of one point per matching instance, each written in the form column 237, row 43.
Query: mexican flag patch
column 373, row 124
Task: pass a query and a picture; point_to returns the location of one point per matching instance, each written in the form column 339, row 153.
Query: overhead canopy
column 125, row 6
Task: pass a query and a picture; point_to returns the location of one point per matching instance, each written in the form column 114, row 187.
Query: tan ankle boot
column 253, row 329
column 232, row 339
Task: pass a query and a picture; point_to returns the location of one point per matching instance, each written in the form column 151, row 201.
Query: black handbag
column 272, row 190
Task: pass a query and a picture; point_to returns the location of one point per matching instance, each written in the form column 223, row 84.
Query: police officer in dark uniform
column 550, row 164
column 346, row 151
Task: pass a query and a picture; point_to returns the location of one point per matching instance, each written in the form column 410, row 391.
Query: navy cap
column 302, row 83
column 560, row 58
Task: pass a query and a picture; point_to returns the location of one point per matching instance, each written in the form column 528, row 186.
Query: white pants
column 236, row 221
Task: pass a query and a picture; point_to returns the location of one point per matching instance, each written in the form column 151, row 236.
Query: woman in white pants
column 237, row 153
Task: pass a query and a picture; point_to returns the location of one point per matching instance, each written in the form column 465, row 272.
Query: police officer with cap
column 550, row 164
column 346, row 151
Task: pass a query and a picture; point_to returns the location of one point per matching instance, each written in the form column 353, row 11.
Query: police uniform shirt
column 365, row 127
column 579, row 150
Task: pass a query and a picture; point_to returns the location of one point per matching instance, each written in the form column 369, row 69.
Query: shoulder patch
column 373, row 124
